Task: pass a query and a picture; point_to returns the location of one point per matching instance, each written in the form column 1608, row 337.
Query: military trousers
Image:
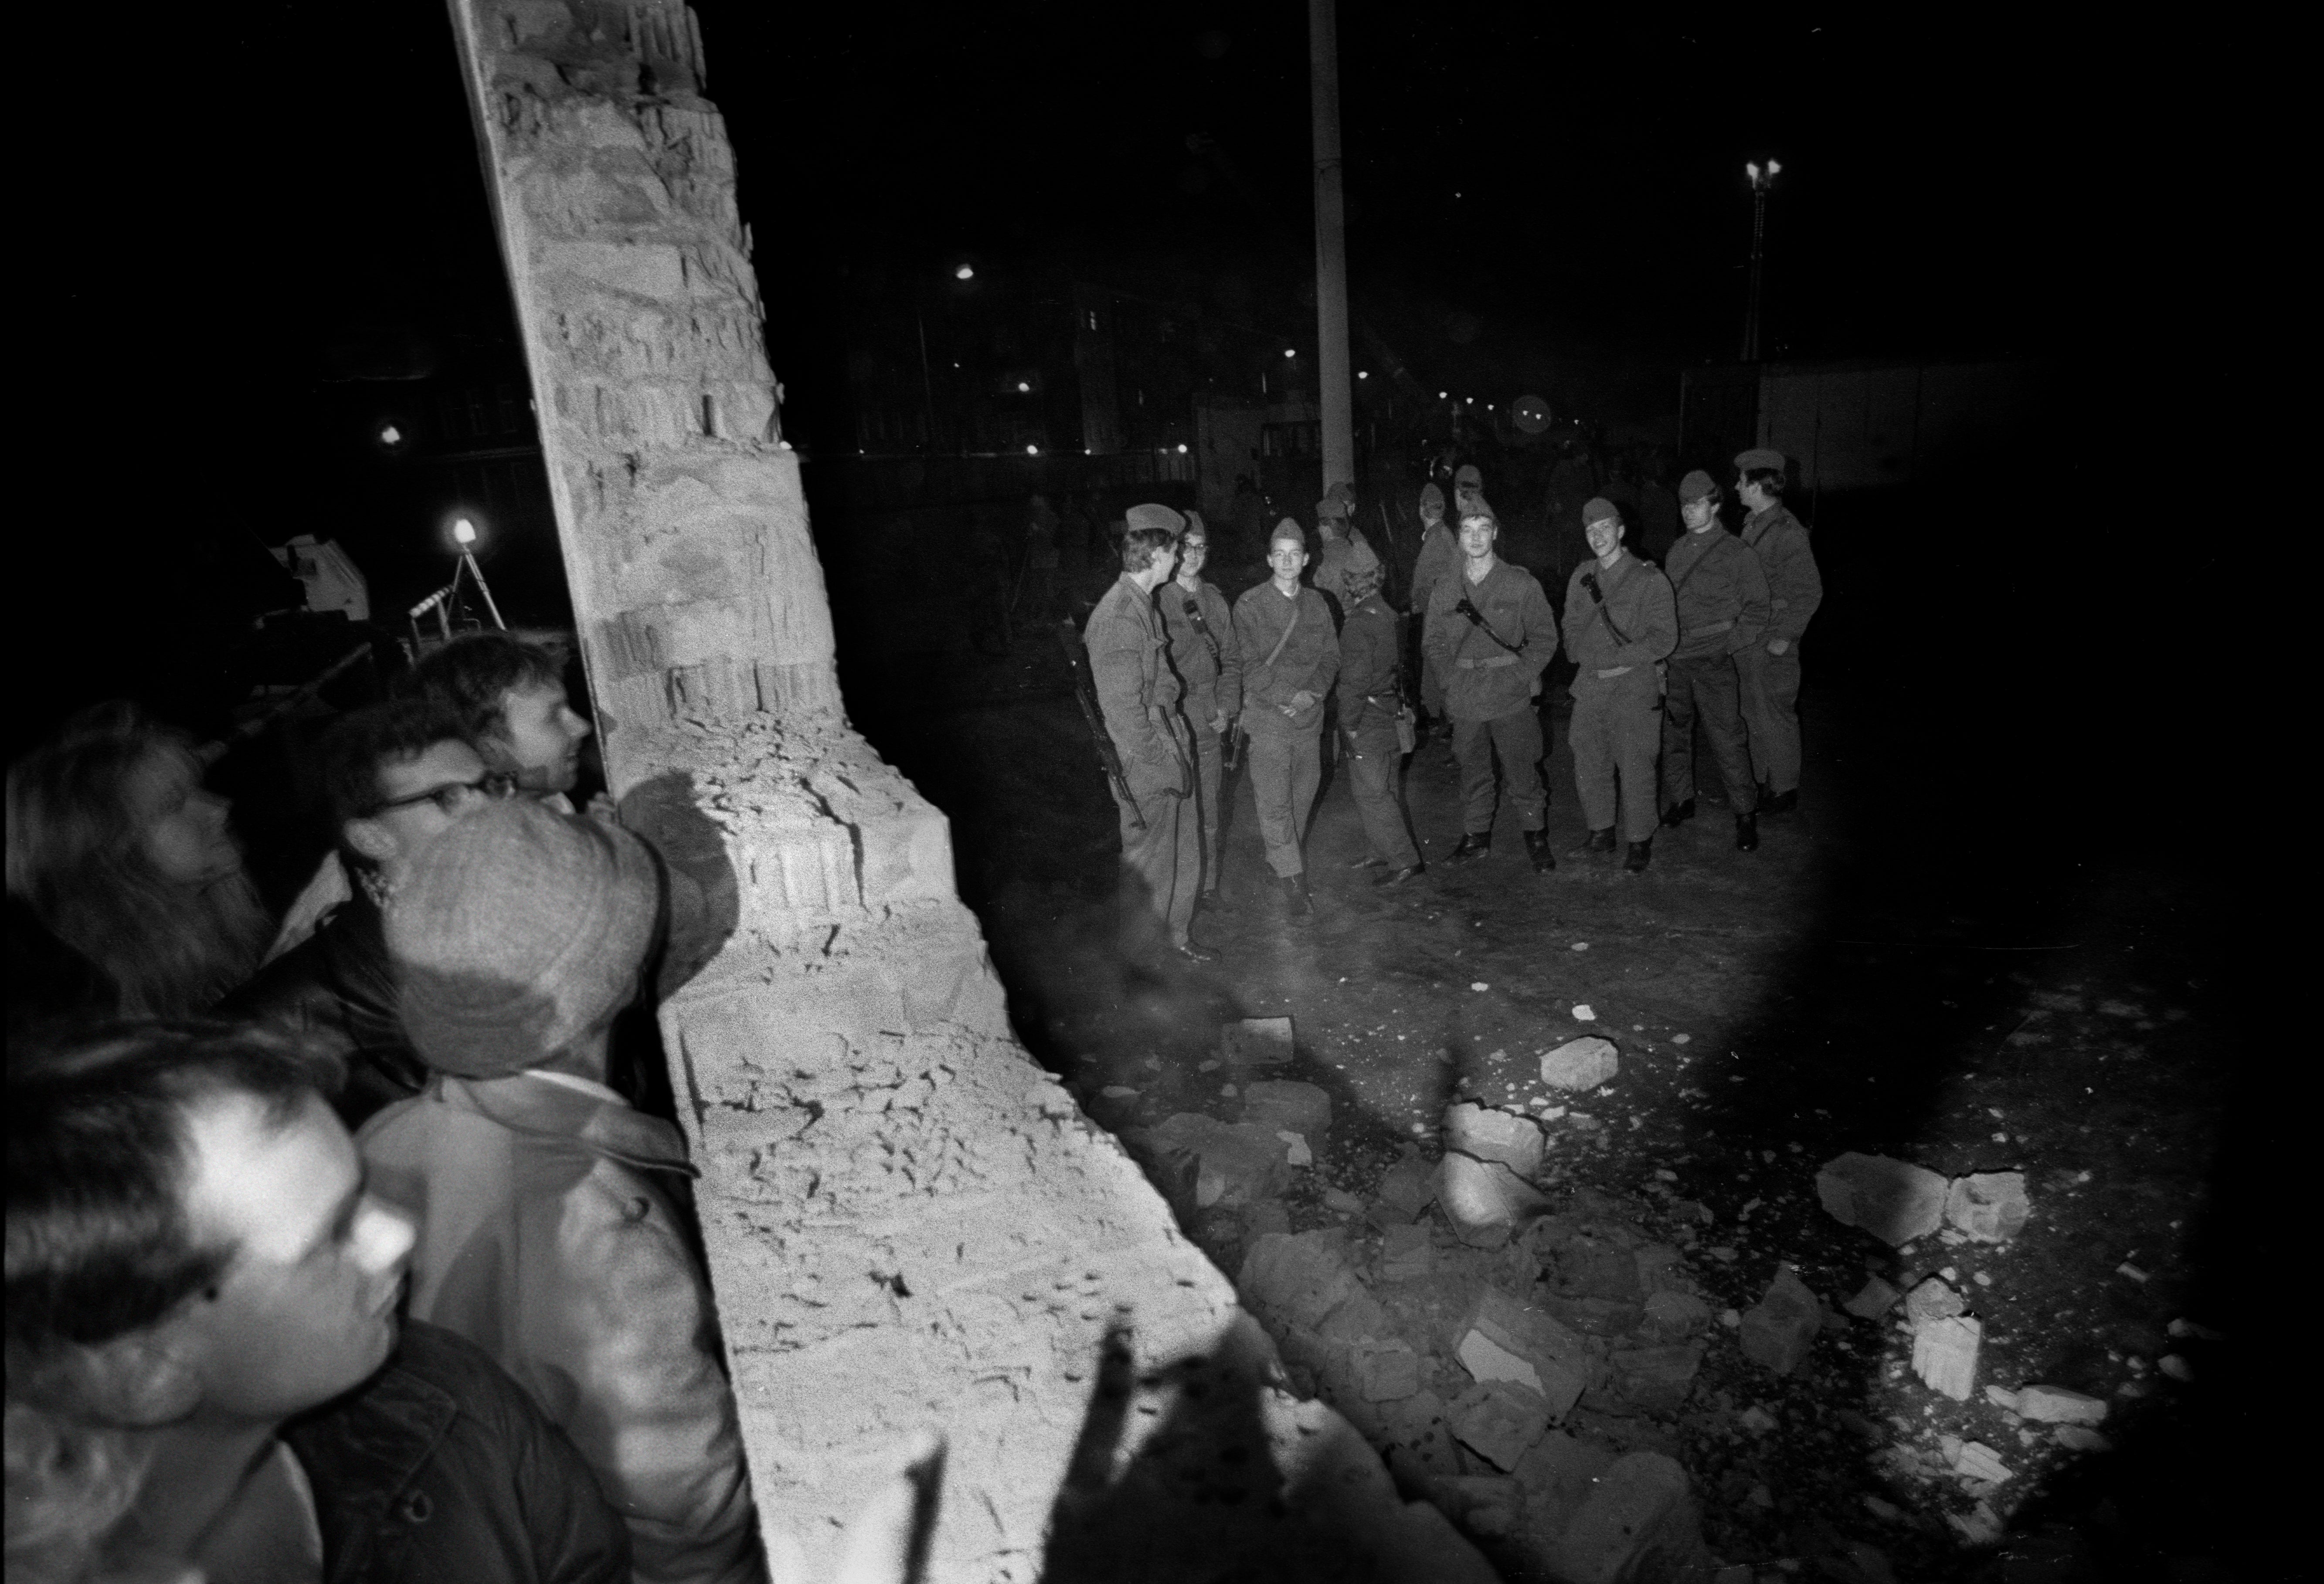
column 1709, row 693
column 1210, row 770
column 1286, row 768
column 1162, row 864
column 1616, row 732
column 1515, row 739
column 1771, row 713
column 1375, row 761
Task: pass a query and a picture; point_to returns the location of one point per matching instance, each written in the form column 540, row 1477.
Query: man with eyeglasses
column 396, row 776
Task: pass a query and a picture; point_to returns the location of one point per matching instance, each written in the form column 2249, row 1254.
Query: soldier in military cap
column 1138, row 693
column 1204, row 650
column 1371, row 701
column 1290, row 657
column 1439, row 558
column 1490, row 632
column 1336, row 526
column 1722, row 609
column 1620, row 625
column 1770, row 668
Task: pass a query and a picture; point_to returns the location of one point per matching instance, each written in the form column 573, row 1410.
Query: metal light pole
column 1763, row 178
column 1334, row 390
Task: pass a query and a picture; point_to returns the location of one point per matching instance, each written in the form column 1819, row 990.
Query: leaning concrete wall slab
column 908, row 1222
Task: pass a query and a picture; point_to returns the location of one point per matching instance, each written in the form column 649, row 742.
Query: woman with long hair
column 121, row 854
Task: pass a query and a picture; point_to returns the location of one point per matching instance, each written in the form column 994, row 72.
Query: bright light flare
column 1291, row 352
column 389, row 435
column 463, row 533
column 1032, row 450
column 965, row 272
column 1023, row 387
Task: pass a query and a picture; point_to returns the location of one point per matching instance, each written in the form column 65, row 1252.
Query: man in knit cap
column 1138, row 693
column 1290, row 657
column 1620, row 625
column 1722, row 609
column 1203, row 653
column 547, row 1236
column 1490, row 632
column 1439, row 558
column 1370, row 691
column 1771, row 668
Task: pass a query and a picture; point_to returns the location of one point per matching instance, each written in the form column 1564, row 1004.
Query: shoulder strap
column 1694, row 566
column 1286, row 633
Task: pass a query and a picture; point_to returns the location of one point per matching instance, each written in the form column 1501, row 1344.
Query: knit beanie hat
column 519, row 930
column 1696, row 487
column 1430, row 496
column 1599, row 509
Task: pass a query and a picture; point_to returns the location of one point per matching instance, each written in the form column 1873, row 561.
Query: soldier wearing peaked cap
column 1723, row 610
column 1620, row 625
column 1138, row 695
column 1770, row 668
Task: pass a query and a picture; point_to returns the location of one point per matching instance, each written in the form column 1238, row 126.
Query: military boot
column 1678, row 814
column 1472, row 846
column 1641, row 854
column 1296, row 903
column 1747, row 832
column 1537, row 849
column 1601, row 841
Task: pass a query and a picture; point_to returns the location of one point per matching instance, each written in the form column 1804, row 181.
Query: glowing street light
column 1291, row 352
column 965, row 272
column 1032, row 450
column 1363, row 374
column 1023, row 387
column 464, row 534
column 1763, row 180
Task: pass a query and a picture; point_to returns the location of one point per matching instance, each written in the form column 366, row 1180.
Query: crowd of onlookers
column 337, row 1245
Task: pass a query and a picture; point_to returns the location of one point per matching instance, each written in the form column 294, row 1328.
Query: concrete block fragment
column 2049, row 1404
column 1973, row 1459
column 1269, row 1215
column 1657, row 1380
column 1405, row 1254
column 1672, row 1317
column 1360, row 1317
column 1505, row 1340
column 1990, row 1207
column 1284, row 1106
column 1933, row 1299
column 1410, row 1186
column 1779, row 1330
column 1560, row 1472
column 1497, row 1420
column 1293, row 1282
column 1662, row 1269
column 1235, row 1162
column 1418, row 1438
column 1386, row 1371
column 1944, row 1354
column 1893, row 1199
column 1877, row 1299
column 1639, row 1521
column 1482, row 1504
column 1523, row 1327
column 1515, row 1141
column 1581, row 1063
column 1485, row 1202
column 1255, row 1042
column 2081, row 1438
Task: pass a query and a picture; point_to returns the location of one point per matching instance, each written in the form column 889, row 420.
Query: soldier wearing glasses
column 396, row 776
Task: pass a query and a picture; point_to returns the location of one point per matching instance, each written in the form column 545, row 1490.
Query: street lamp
column 1763, row 179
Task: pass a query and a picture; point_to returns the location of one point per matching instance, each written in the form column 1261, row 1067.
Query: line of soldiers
column 1712, row 640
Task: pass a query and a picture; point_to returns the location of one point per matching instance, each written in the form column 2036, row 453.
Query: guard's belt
column 1468, row 664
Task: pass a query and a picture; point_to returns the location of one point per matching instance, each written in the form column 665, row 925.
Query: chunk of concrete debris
column 1973, row 1459
column 1497, row 1420
column 2080, row 1438
column 2002, row 1398
column 1675, row 1316
column 1386, row 1371
column 1515, row 1141
column 1485, row 1201
column 1877, row 1299
column 1895, row 1200
column 2049, row 1404
column 1639, row 1521
column 1269, row 1215
column 1293, row 1281
column 1255, row 1042
column 1343, row 1201
column 1581, row 1063
column 1233, row 1163
column 1933, row 1299
column 1419, row 1442
column 1506, row 1339
column 1944, row 1354
column 1656, row 1380
column 1990, row 1207
column 1295, row 1150
column 1410, row 1186
column 1282, row 1105
column 1481, row 1504
column 1981, row 1526
column 1779, row 1330
column 1405, row 1254
column 1560, row 1473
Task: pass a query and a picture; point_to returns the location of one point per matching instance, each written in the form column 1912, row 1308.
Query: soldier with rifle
column 1490, row 631
column 1203, row 648
column 1621, row 623
column 1149, row 759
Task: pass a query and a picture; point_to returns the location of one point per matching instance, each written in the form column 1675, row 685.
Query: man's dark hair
column 355, row 748
column 1141, row 545
column 99, row 1244
column 1770, row 479
column 471, row 675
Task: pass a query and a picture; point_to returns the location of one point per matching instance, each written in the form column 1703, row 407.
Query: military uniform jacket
column 1722, row 592
column 1137, row 691
column 1308, row 660
column 1209, row 663
column 1439, row 558
column 1369, row 667
column 1794, row 587
column 1483, row 680
column 1638, row 604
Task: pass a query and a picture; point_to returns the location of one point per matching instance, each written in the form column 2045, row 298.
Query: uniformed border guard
column 1138, row 693
column 1290, row 657
column 1491, row 654
column 1439, row 558
column 1203, row 648
column 1723, row 610
column 1771, row 669
column 1620, row 625
column 1371, row 702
